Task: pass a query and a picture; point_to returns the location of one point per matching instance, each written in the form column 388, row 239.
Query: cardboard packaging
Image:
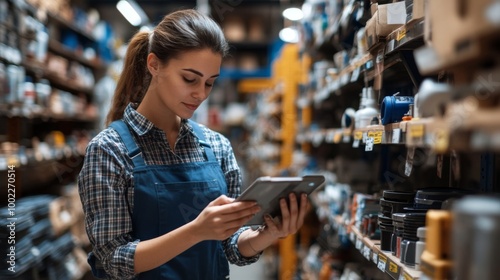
column 417, row 11
column 386, row 18
column 456, row 24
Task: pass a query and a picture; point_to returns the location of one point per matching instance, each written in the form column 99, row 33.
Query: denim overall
column 169, row 196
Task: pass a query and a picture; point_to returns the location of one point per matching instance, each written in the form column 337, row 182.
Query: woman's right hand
column 222, row 217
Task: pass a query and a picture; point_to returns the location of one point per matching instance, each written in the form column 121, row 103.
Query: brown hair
column 178, row 32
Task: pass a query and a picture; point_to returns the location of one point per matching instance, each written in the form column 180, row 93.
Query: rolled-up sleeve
column 103, row 184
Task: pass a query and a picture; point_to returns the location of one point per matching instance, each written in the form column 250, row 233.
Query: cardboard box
column 418, row 10
column 388, row 17
column 455, row 25
column 371, row 32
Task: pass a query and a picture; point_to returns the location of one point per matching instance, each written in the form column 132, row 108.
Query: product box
column 417, row 11
column 386, row 18
column 455, row 26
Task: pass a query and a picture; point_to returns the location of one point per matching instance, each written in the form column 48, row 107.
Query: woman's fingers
column 304, row 205
column 285, row 216
column 293, row 213
column 244, row 213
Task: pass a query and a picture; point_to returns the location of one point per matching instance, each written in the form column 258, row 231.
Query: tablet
column 267, row 192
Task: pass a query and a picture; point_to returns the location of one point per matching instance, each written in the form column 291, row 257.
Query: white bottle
column 368, row 109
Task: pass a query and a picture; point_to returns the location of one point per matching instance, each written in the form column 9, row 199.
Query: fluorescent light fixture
column 293, row 14
column 289, row 35
column 132, row 12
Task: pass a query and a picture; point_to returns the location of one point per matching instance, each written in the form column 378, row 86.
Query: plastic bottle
column 420, row 247
column 368, row 109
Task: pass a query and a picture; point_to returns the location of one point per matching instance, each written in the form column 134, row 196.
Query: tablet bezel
column 267, row 192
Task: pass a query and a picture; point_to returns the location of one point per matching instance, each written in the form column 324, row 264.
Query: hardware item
column 476, row 228
column 394, row 108
column 435, row 262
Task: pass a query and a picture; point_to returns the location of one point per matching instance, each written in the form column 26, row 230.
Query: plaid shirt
column 106, row 186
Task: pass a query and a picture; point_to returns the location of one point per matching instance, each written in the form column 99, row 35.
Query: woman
column 158, row 189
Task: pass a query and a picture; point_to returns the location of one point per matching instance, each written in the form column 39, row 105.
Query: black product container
column 433, row 198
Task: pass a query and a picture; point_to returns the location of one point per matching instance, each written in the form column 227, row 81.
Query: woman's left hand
column 292, row 216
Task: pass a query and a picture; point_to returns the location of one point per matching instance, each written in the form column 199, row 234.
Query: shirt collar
column 141, row 125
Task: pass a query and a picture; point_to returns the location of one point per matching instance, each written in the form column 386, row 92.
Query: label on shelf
column 404, row 276
column 344, row 79
column 416, row 131
column 367, row 252
column 375, row 258
column 382, row 261
column 359, row 244
column 376, row 135
column 358, row 135
column 396, row 135
column 369, row 144
column 401, row 33
column 337, row 137
column 355, row 143
column 409, row 161
column 355, row 74
column 441, row 140
column 394, row 268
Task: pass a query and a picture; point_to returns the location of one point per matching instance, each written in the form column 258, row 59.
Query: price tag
column 441, row 141
column 369, row 144
column 401, row 33
column 394, row 268
column 358, row 135
column 355, row 74
column 335, row 85
column 344, row 79
column 355, row 143
column 376, row 135
column 337, row 136
column 367, row 252
column 405, row 276
column 359, row 244
column 416, row 131
column 409, row 161
column 346, row 138
column 396, row 135
column 375, row 258
column 382, row 260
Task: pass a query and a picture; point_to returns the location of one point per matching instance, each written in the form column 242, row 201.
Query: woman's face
column 185, row 82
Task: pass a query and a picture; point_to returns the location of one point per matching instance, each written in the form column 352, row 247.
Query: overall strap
column 134, row 152
column 201, row 139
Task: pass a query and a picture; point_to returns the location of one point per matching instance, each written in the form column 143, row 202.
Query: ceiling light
column 293, row 14
column 132, row 12
column 289, row 35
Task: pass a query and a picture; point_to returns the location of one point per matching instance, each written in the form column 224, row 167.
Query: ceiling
column 269, row 11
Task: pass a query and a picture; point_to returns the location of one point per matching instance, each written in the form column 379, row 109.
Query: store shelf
column 71, row 26
column 45, row 116
column 409, row 37
column 385, row 261
column 60, row 49
column 348, row 80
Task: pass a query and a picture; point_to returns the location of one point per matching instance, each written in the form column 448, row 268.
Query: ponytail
column 134, row 79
